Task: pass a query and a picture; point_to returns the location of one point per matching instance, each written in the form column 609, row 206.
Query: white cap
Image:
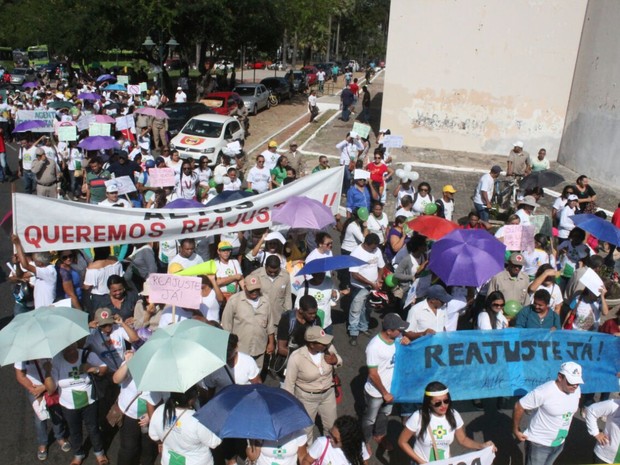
column 572, row 197
column 112, row 187
column 179, row 88
column 360, row 174
column 518, row 144
column 275, row 236
column 572, row 372
column 144, row 145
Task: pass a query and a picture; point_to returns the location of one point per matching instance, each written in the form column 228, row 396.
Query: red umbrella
column 432, row 227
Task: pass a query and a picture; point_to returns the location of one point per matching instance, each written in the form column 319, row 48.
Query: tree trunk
column 198, row 52
column 284, row 48
column 294, row 61
column 338, row 40
column 329, row 38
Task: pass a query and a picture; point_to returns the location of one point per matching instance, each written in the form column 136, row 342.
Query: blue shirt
column 528, row 318
column 357, row 198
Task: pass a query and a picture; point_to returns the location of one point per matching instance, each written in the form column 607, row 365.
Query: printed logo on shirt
column 279, row 453
column 440, row 432
column 74, row 373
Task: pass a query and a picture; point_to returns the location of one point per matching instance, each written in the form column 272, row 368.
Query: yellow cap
column 272, row 144
column 448, row 188
column 174, row 268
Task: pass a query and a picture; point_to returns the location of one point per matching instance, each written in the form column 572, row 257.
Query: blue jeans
column 346, row 113
column 358, row 320
column 537, row 454
column 482, row 211
column 87, row 416
column 30, row 182
column 346, row 180
column 375, row 418
column 40, row 426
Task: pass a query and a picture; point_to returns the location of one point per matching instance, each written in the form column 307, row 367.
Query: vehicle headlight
column 209, row 150
column 247, row 104
column 172, row 146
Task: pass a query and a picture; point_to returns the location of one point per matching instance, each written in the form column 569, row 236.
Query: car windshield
column 196, row 127
column 19, row 71
column 176, row 112
column 214, row 102
column 245, row 91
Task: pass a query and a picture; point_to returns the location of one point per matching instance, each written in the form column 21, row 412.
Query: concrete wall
column 591, row 141
column 476, row 75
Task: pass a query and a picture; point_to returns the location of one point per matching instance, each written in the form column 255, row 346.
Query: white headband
column 436, row 393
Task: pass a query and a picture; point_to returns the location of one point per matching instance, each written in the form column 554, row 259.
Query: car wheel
column 255, row 110
column 268, row 106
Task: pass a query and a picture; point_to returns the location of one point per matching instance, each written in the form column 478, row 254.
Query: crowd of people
column 282, row 324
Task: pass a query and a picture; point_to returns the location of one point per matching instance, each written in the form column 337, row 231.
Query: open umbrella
column 254, row 411
column 41, row 333
column 25, row 85
column 99, row 143
column 598, row 227
column 89, row 96
column 120, row 87
column 228, row 196
column 107, row 77
column 30, row 125
column 467, row 257
column 545, row 178
column 178, row 356
column 302, row 212
column 154, row 112
column 58, row 104
column 184, row 203
column 337, row 262
column 104, row 119
column 431, row 226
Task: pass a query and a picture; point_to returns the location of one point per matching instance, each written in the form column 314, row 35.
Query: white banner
column 49, row 116
column 52, row 224
column 479, row 457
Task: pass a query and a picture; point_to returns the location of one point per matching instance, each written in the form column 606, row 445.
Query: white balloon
column 218, row 179
column 413, row 176
column 226, row 180
column 408, row 167
column 400, row 173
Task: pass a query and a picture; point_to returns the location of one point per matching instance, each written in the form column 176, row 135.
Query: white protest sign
column 592, row 281
column 133, row 89
column 125, row 122
column 518, row 237
column 122, row 79
column 67, row 133
column 84, row 121
column 393, row 142
column 143, row 87
column 479, row 457
column 162, row 177
column 124, row 184
column 99, row 129
column 43, row 115
column 182, row 291
column 361, row 129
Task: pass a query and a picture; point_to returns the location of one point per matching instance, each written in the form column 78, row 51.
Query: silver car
column 255, row 96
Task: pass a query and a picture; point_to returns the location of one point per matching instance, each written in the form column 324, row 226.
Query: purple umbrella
column 106, row 77
column 99, row 143
column 30, row 84
column 184, row 203
column 89, row 96
column 302, row 212
column 30, row 125
column 467, row 257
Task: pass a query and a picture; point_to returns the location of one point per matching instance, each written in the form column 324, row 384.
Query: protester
column 343, row 446
column 608, row 440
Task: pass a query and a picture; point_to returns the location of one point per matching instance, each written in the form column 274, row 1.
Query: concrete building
column 474, row 76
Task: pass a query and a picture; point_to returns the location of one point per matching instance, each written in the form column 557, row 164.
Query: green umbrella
column 58, row 104
column 178, row 356
column 41, row 333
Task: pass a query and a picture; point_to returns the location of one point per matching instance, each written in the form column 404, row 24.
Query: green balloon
column 430, row 209
column 512, row 308
column 212, row 182
column 362, row 213
column 507, row 255
column 391, row 280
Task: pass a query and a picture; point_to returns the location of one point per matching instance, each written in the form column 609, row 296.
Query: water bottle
column 144, row 429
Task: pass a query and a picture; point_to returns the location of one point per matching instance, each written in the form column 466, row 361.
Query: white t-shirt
column 333, row 455
column 487, row 184
column 554, row 291
column 259, row 178
column 30, row 369
column 534, row 259
column 175, row 165
column 74, row 386
column 609, row 408
column 370, row 271
column 245, row 369
column 584, row 313
column 402, row 193
column 559, row 205
column 316, row 254
column 484, row 322
column 380, row 355
column 421, row 318
column 189, row 438
column 550, row 424
column 233, row 185
column 524, row 217
column 98, row 278
column 573, row 254
column 44, row 292
column 322, row 293
column 442, row 432
column 136, row 408
column 448, row 209
column 180, row 97
column 352, row 237
column 27, row 157
column 109, row 349
column 186, row 186
column 225, row 270
column 420, row 204
column 271, row 158
column 119, row 202
column 273, row 453
column 194, row 259
column 210, row 307
column 75, row 158
column 378, row 225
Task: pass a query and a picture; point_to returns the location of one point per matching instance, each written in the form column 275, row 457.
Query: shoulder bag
column 115, row 414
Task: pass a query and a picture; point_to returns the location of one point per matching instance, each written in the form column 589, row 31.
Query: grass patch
column 310, row 129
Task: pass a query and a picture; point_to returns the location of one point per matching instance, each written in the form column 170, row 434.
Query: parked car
column 206, row 135
column 279, row 86
column 300, row 80
column 229, row 65
column 278, row 65
column 257, row 65
column 255, row 96
column 20, row 76
column 311, row 73
column 222, row 103
column 181, row 113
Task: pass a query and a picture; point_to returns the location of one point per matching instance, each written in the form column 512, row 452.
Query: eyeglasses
column 328, row 244
column 498, row 305
column 440, row 402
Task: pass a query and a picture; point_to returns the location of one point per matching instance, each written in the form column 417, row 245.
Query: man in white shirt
column 187, row 256
column 429, row 315
column 445, row 205
column 180, row 96
column 484, row 192
column 271, row 155
column 364, row 279
column 112, row 199
column 526, row 209
column 44, row 292
column 555, row 404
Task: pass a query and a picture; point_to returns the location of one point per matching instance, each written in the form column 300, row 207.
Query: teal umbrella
column 58, row 104
column 41, row 333
column 178, row 356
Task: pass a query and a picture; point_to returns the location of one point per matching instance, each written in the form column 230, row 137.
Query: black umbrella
column 545, row 178
column 228, row 196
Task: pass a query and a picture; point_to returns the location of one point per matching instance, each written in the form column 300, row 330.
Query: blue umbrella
column 228, row 196
column 115, row 87
column 29, row 125
column 184, row 203
column 254, row 411
column 106, row 77
column 598, row 227
column 98, row 143
column 337, row 262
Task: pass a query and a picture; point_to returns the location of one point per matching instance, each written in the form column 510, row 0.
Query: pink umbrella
column 302, row 212
column 104, row 119
column 148, row 111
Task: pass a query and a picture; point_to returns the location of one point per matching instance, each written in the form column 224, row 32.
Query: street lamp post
column 149, row 44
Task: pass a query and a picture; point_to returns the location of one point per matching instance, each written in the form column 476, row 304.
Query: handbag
column 570, row 316
column 337, row 387
column 115, row 414
column 50, row 399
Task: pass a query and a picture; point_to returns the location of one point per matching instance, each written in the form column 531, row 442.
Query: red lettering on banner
column 263, row 215
column 32, row 234
column 47, row 234
column 137, row 230
column 326, row 200
column 118, row 234
column 232, row 224
column 188, row 226
column 100, row 233
column 82, row 234
column 218, row 223
column 157, row 229
column 203, row 224
column 67, row 234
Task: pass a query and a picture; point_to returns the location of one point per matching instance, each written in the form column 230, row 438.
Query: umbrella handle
column 174, row 312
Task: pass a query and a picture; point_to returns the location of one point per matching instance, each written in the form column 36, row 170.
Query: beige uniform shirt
column 277, row 291
column 519, row 161
column 251, row 325
column 303, row 373
column 512, row 288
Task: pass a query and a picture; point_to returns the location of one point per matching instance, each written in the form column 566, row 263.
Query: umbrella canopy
column 89, row 96
column 99, row 143
column 178, row 356
column 228, row 196
column 302, row 212
column 30, row 125
column 107, row 77
column 337, row 262
column 154, row 112
column 104, row 119
column 41, row 333
column 598, row 227
column 58, row 104
column 467, row 257
column 545, row 178
column 253, row 411
column 184, row 203
column 431, row 226
column 30, row 84
column 115, row 87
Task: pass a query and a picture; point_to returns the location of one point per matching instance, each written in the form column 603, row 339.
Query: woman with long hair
column 560, row 203
column 492, row 316
column 278, row 173
column 188, row 181
column 545, row 278
column 344, row 445
column 422, row 198
column 435, row 426
column 184, row 439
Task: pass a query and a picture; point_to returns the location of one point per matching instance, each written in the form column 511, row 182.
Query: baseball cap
column 252, row 283
column 149, row 164
column 393, row 321
column 449, row 188
column 572, row 372
column 518, row 144
column 275, row 236
column 293, row 144
column 496, row 169
column 179, row 88
column 103, row 316
column 316, row 334
column 111, row 188
column 516, row 259
column 272, row 144
column 146, row 290
column 159, row 160
column 438, row 292
column 224, row 245
column 174, row 268
column 572, row 197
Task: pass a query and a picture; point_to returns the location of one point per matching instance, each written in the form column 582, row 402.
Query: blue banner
column 503, row 363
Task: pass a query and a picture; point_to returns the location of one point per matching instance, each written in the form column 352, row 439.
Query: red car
column 257, row 65
column 222, row 103
column 311, row 72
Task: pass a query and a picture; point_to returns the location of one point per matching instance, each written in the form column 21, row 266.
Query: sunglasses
column 498, row 305
column 440, row 402
column 64, row 257
column 329, row 244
